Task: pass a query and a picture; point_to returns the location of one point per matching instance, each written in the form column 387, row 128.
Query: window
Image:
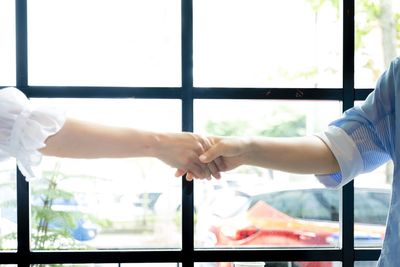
column 119, row 204
column 112, row 48
column 252, row 46
column 8, row 208
column 225, row 67
column 7, row 47
column 376, row 40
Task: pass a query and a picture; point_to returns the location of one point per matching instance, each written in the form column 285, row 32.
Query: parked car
column 65, row 214
column 295, row 218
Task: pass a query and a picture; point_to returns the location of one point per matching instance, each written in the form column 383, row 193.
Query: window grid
column 187, row 93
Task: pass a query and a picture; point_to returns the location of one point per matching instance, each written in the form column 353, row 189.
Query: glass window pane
column 150, row 264
column 251, row 206
column 8, row 205
column 114, row 265
column 78, row 265
column 266, row 44
column 109, row 203
column 270, row 264
column 7, row 43
column 365, row 263
column 377, row 39
column 372, row 195
column 107, row 42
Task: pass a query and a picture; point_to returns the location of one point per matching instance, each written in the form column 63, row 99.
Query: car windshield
column 229, row 204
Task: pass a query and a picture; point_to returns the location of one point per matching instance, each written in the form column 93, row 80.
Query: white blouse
column 24, row 129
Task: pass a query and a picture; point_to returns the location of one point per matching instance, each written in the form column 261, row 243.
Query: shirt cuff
column 346, row 153
column 31, row 129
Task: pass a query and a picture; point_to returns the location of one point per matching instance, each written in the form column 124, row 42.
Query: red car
column 302, row 218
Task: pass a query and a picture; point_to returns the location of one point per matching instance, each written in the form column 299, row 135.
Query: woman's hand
column 182, row 151
column 82, row 139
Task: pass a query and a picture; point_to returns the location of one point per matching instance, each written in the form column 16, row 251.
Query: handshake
column 204, row 157
column 191, row 154
column 200, row 157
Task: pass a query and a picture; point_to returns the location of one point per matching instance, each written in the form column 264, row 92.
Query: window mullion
column 347, row 203
column 187, row 125
column 23, row 211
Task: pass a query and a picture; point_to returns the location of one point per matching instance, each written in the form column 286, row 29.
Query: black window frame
column 187, row 93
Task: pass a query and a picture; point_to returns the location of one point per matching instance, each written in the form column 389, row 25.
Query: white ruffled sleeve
column 24, row 129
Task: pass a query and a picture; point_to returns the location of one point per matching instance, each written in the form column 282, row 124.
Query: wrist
column 158, row 144
column 246, row 150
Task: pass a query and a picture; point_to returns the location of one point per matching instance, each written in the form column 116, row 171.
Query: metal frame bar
column 188, row 255
column 347, row 200
column 187, row 125
column 178, row 93
column 203, row 255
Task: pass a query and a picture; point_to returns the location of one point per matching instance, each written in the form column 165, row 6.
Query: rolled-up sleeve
column 24, row 129
column 346, row 153
column 364, row 137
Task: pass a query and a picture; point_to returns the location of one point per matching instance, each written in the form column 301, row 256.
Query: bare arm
column 81, row 139
column 297, row 154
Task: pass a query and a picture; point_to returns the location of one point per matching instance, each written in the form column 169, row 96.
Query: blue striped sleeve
column 364, row 137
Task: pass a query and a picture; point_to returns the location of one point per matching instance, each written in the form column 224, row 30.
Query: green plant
column 57, row 219
column 51, row 227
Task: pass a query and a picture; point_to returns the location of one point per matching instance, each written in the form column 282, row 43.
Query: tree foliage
column 283, row 122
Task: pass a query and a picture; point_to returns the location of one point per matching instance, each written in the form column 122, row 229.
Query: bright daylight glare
column 136, row 203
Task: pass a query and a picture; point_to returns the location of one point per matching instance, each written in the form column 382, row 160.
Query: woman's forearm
column 78, row 139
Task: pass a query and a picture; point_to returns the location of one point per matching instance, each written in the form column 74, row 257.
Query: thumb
column 211, row 154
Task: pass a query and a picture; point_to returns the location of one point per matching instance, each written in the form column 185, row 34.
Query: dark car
column 300, row 218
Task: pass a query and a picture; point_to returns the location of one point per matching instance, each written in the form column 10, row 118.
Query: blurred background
column 136, row 203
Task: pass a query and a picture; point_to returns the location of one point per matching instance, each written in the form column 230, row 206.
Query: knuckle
column 199, row 146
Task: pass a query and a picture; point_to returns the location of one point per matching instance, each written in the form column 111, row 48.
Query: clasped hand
column 200, row 157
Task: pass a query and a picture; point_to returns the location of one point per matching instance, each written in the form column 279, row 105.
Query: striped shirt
column 366, row 137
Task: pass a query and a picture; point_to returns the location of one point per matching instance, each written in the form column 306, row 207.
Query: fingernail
column 202, row 157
